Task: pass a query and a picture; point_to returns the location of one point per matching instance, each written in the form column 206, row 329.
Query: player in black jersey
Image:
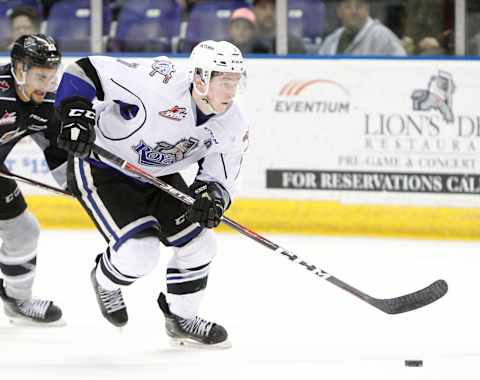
column 26, row 109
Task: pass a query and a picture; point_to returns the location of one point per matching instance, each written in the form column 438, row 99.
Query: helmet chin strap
column 207, row 103
column 204, row 98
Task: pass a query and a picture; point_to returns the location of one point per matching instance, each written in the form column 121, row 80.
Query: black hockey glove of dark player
column 77, row 132
column 211, row 200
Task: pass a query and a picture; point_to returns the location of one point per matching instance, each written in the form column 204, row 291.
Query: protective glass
column 43, row 79
column 230, row 82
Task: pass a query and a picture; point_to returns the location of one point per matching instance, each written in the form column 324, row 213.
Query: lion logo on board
column 438, row 96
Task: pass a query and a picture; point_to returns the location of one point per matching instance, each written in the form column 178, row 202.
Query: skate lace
column 196, row 326
column 111, row 299
column 34, row 308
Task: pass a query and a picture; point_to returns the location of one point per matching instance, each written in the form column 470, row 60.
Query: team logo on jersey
column 38, row 123
column 165, row 68
column 8, row 118
column 4, row 85
column 175, row 113
column 164, row 154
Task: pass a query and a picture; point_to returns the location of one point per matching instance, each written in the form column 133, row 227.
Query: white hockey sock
column 185, row 305
column 104, row 281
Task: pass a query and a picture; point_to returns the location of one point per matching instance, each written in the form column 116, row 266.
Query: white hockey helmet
column 209, row 56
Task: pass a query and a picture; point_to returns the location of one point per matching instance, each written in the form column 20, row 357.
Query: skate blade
column 19, row 321
column 189, row 343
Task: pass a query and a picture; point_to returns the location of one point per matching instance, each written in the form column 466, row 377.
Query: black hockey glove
column 77, row 132
column 211, row 200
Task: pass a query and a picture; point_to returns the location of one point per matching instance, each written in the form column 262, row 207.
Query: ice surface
column 283, row 322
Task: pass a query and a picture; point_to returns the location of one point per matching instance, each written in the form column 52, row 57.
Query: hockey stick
column 32, row 182
column 395, row 305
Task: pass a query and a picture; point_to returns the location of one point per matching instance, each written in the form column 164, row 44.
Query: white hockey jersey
column 148, row 117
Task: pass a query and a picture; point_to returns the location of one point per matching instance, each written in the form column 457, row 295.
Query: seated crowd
column 324, row 27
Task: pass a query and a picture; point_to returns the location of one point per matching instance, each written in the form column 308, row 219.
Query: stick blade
column 414, row 300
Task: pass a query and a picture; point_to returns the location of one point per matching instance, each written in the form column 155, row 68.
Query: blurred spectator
column 116, row 7
column 424, row 18
column 266, row 28
column 430, row 46
column 23, row 20
column 242, row 30
column 473, row 28
column 408, row 45
column 447, row 41
column 431, row 18
column 186, row 5
column 360, row 34
column 474, row 45
column 47, row 4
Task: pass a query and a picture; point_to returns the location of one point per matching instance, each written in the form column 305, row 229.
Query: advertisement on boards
column 344, row 128
column 388, row 131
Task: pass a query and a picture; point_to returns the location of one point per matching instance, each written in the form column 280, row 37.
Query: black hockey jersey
column 19, row 119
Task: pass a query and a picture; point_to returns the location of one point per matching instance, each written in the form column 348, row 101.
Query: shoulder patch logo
column 176, row 113
column 163, row 67
column 4, row 85
column 8, row 118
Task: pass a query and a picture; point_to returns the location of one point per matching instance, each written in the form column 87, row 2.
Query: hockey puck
column 414, row 363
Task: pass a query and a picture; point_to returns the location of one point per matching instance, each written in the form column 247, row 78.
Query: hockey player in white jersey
column 164, row 120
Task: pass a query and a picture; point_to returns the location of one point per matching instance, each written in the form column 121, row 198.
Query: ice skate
column 111, row 303
column 195, row 332
column 31, row 312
